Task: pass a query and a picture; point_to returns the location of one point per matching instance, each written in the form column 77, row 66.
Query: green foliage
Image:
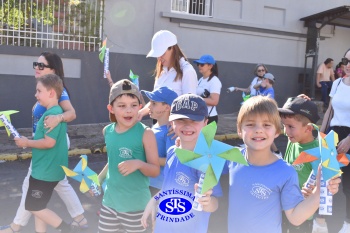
column 15, row 14
column 68, row 19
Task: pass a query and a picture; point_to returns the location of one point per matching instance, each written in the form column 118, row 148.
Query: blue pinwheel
column 326, row 154
column 209, row 156
column 83, row 174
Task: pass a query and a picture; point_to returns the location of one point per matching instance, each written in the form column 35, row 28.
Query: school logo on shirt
column 182, row 179
column 175, row 205
column 260, row 191
column 298, row 167
column 37, row 193
column 125, row 153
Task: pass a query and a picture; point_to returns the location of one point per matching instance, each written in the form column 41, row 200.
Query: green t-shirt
column 125, row 193
column 46, row 163
column 292, row 152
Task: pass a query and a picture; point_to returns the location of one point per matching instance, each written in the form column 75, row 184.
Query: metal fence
column 194, row 7
column 60, row 24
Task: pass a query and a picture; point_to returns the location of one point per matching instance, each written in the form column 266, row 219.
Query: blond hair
column 260, row 105
column 52, row 81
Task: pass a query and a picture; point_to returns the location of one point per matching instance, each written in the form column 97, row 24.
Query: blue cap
column 162, row 94
column 206, row 59
column 188, row 106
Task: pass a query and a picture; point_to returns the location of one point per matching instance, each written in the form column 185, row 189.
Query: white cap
column 161, row 41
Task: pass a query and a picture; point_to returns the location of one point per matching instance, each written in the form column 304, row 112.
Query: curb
column 93, row 150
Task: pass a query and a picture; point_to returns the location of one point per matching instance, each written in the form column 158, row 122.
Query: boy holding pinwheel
column 296, row 115
column 258, row 193
column 171, row 208
column 49, row 153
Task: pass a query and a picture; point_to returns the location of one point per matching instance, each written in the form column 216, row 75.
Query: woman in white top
column 340, row 123
column 209, row 86
column 254, row 86
column 172, row 68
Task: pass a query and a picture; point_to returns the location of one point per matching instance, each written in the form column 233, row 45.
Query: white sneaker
column 317, row 228
column 345, row 228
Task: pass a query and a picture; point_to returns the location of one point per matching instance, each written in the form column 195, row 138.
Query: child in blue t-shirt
column 174, row 201
column 258, row 193
column 266, row 86
column 159, row 109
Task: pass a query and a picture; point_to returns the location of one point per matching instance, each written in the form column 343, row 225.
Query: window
column 193, row 7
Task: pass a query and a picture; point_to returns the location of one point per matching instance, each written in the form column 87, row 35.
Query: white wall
column 130, row 25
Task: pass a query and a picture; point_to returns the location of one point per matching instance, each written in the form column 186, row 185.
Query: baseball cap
column 161, row 41
column 121, row 87
column 162, row 94
column 304, row 107
column 205, row 59
column 188, row 106
column 269, row 76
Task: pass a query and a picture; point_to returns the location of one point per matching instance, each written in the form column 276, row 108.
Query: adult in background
column 50, row 63
column 172, row 68
column 340, row 123
column 254, row 86
column 325, row 78
column 209, row 86
column 339, row 70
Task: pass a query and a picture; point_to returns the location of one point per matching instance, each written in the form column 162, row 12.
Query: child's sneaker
column 317, row 228
column 345, row 228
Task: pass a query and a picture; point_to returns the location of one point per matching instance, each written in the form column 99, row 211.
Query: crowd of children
column 258, row 193
column 148, row 189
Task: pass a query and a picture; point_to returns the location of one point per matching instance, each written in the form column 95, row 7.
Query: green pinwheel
column 6, row 122
column 209, row 156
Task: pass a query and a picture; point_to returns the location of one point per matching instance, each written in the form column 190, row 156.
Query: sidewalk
column 88, row 138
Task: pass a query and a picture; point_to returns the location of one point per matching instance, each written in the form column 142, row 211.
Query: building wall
column 239, row 35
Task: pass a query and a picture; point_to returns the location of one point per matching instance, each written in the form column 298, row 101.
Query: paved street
column 12, row 174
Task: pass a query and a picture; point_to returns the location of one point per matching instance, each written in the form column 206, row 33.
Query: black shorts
column 39, row 194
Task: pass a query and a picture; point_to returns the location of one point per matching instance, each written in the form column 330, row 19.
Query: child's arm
column 307, row 207
column 44, row 143
column 149, row 168
column 103, row 174
column 151, row 209
column 246, row 90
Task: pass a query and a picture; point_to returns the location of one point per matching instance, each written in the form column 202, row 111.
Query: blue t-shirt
column 179, row 181
column 39, row 110
column 267, row 92
column 259, row 194
column 163, row 144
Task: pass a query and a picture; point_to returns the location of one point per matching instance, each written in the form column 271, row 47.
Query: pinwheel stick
column 326, row 198
column 106, row 63
column 197, row 195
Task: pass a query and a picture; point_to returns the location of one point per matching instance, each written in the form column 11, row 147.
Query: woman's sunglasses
column 200, row 64
column 40, row 65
